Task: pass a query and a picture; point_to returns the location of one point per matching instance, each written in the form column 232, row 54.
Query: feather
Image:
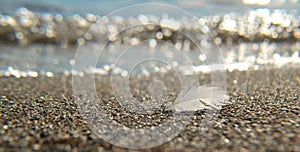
column 198, row 98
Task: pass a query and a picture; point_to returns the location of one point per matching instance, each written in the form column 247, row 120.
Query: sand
column 263, row 115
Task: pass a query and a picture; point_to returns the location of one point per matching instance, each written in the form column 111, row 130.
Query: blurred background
column 42, row 36
column 102, row 7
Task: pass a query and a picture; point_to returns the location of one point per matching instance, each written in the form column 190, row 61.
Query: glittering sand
column 40, row 114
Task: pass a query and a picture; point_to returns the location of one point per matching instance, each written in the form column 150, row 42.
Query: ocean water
column 103, row 7
column 30, row 49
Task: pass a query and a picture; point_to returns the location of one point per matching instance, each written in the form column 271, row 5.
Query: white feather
column 198, row 98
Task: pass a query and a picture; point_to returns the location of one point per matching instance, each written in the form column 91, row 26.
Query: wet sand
column 263, row 115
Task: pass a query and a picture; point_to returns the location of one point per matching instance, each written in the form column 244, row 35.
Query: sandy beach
column 263, row 115
column 43, row 43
